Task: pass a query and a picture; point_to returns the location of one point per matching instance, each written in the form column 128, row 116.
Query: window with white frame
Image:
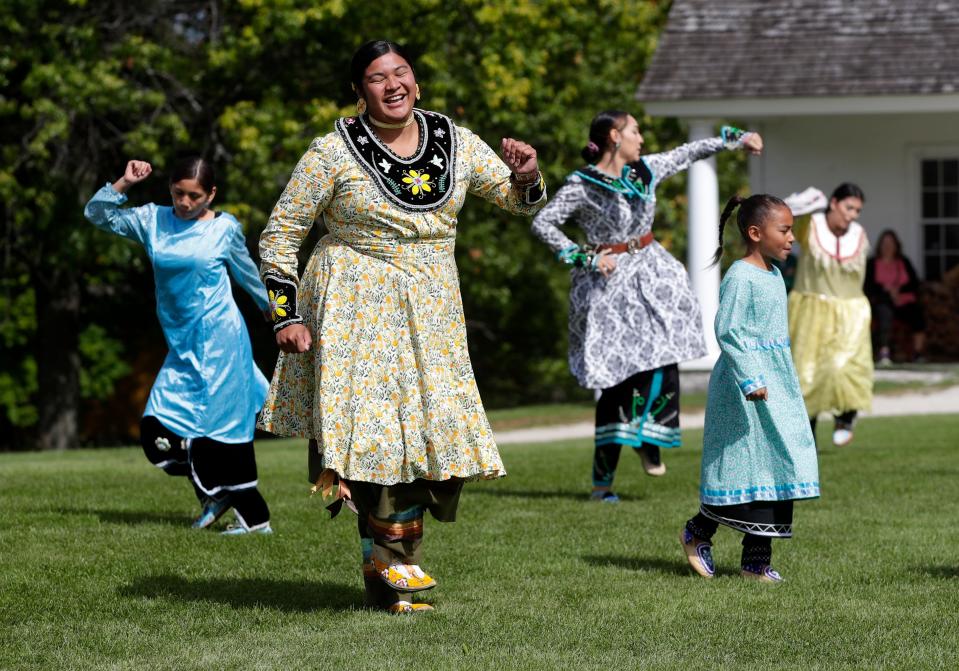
column 940, row 215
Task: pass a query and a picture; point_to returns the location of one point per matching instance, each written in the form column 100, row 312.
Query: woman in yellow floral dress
column 829, row 314
column 374, row 368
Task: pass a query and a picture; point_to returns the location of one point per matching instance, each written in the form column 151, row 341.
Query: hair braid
column 731, row 205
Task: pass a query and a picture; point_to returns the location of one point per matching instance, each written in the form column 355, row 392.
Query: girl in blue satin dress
column 200, row 417
column 758, row 450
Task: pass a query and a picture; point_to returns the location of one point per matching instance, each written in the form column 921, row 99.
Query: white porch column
column 703, row 236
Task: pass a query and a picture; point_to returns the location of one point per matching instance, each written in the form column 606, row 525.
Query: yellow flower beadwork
column 276, row 304
column 418, row 181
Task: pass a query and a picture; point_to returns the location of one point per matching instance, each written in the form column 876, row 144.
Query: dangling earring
column 417, row 91
column 617, row 145
column 361, row 106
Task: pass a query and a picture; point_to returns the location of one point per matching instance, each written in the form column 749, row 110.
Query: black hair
column 846, row 190
column 895, row 238
column 599, row 130
column 369, row 52
column 752, row 212
column 194, row 167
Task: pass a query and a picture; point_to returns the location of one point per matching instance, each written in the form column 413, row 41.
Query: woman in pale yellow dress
column 829, row 315
column 374, row 367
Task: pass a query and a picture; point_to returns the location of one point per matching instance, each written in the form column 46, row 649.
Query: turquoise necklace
column 621, row 184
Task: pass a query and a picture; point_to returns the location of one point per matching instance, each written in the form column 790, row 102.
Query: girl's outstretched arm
column 103, row 209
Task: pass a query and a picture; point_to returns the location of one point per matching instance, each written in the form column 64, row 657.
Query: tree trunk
column 58, row 361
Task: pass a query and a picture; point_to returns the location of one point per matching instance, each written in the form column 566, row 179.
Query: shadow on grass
column 940, row 571
column 294, row 596
column 130, row 517
column 648, row 564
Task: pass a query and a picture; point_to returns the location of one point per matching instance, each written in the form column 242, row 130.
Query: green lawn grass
column 545, row 414
column 100, row 570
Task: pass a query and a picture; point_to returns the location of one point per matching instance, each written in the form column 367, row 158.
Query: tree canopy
column 248, row 84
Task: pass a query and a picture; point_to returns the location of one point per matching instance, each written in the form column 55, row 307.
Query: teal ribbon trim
column 783, row 492
column 731, row 135
column 750, row 385
column 619, row 185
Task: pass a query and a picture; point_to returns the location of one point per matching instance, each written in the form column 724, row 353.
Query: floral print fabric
column 387, row 389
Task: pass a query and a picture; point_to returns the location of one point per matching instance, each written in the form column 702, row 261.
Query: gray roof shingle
column 802, row 48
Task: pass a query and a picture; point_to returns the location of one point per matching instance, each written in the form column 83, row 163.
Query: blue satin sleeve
column 103, row 211
column 243, row 270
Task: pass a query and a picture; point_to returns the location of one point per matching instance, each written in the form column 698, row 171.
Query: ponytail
column 599, row 130
column 591, row 152
column 731, row 205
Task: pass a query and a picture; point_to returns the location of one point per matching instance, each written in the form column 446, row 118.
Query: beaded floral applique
column 420, row 183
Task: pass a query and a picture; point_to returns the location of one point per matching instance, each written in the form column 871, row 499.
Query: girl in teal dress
column 758, row 450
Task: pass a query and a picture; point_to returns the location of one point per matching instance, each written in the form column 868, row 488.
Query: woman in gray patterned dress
column 632, row 315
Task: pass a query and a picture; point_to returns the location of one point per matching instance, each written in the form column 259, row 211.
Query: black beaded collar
column 420, row 183
column 636, row 180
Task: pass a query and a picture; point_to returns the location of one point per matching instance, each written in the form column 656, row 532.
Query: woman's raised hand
column 294, row 339
column 520, row 157
column 136, row 171
column 753, row 143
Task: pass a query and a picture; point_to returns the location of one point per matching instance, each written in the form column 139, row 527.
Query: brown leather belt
column 631, row 246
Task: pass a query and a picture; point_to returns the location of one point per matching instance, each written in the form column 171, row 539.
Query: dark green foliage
column 248, row 84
